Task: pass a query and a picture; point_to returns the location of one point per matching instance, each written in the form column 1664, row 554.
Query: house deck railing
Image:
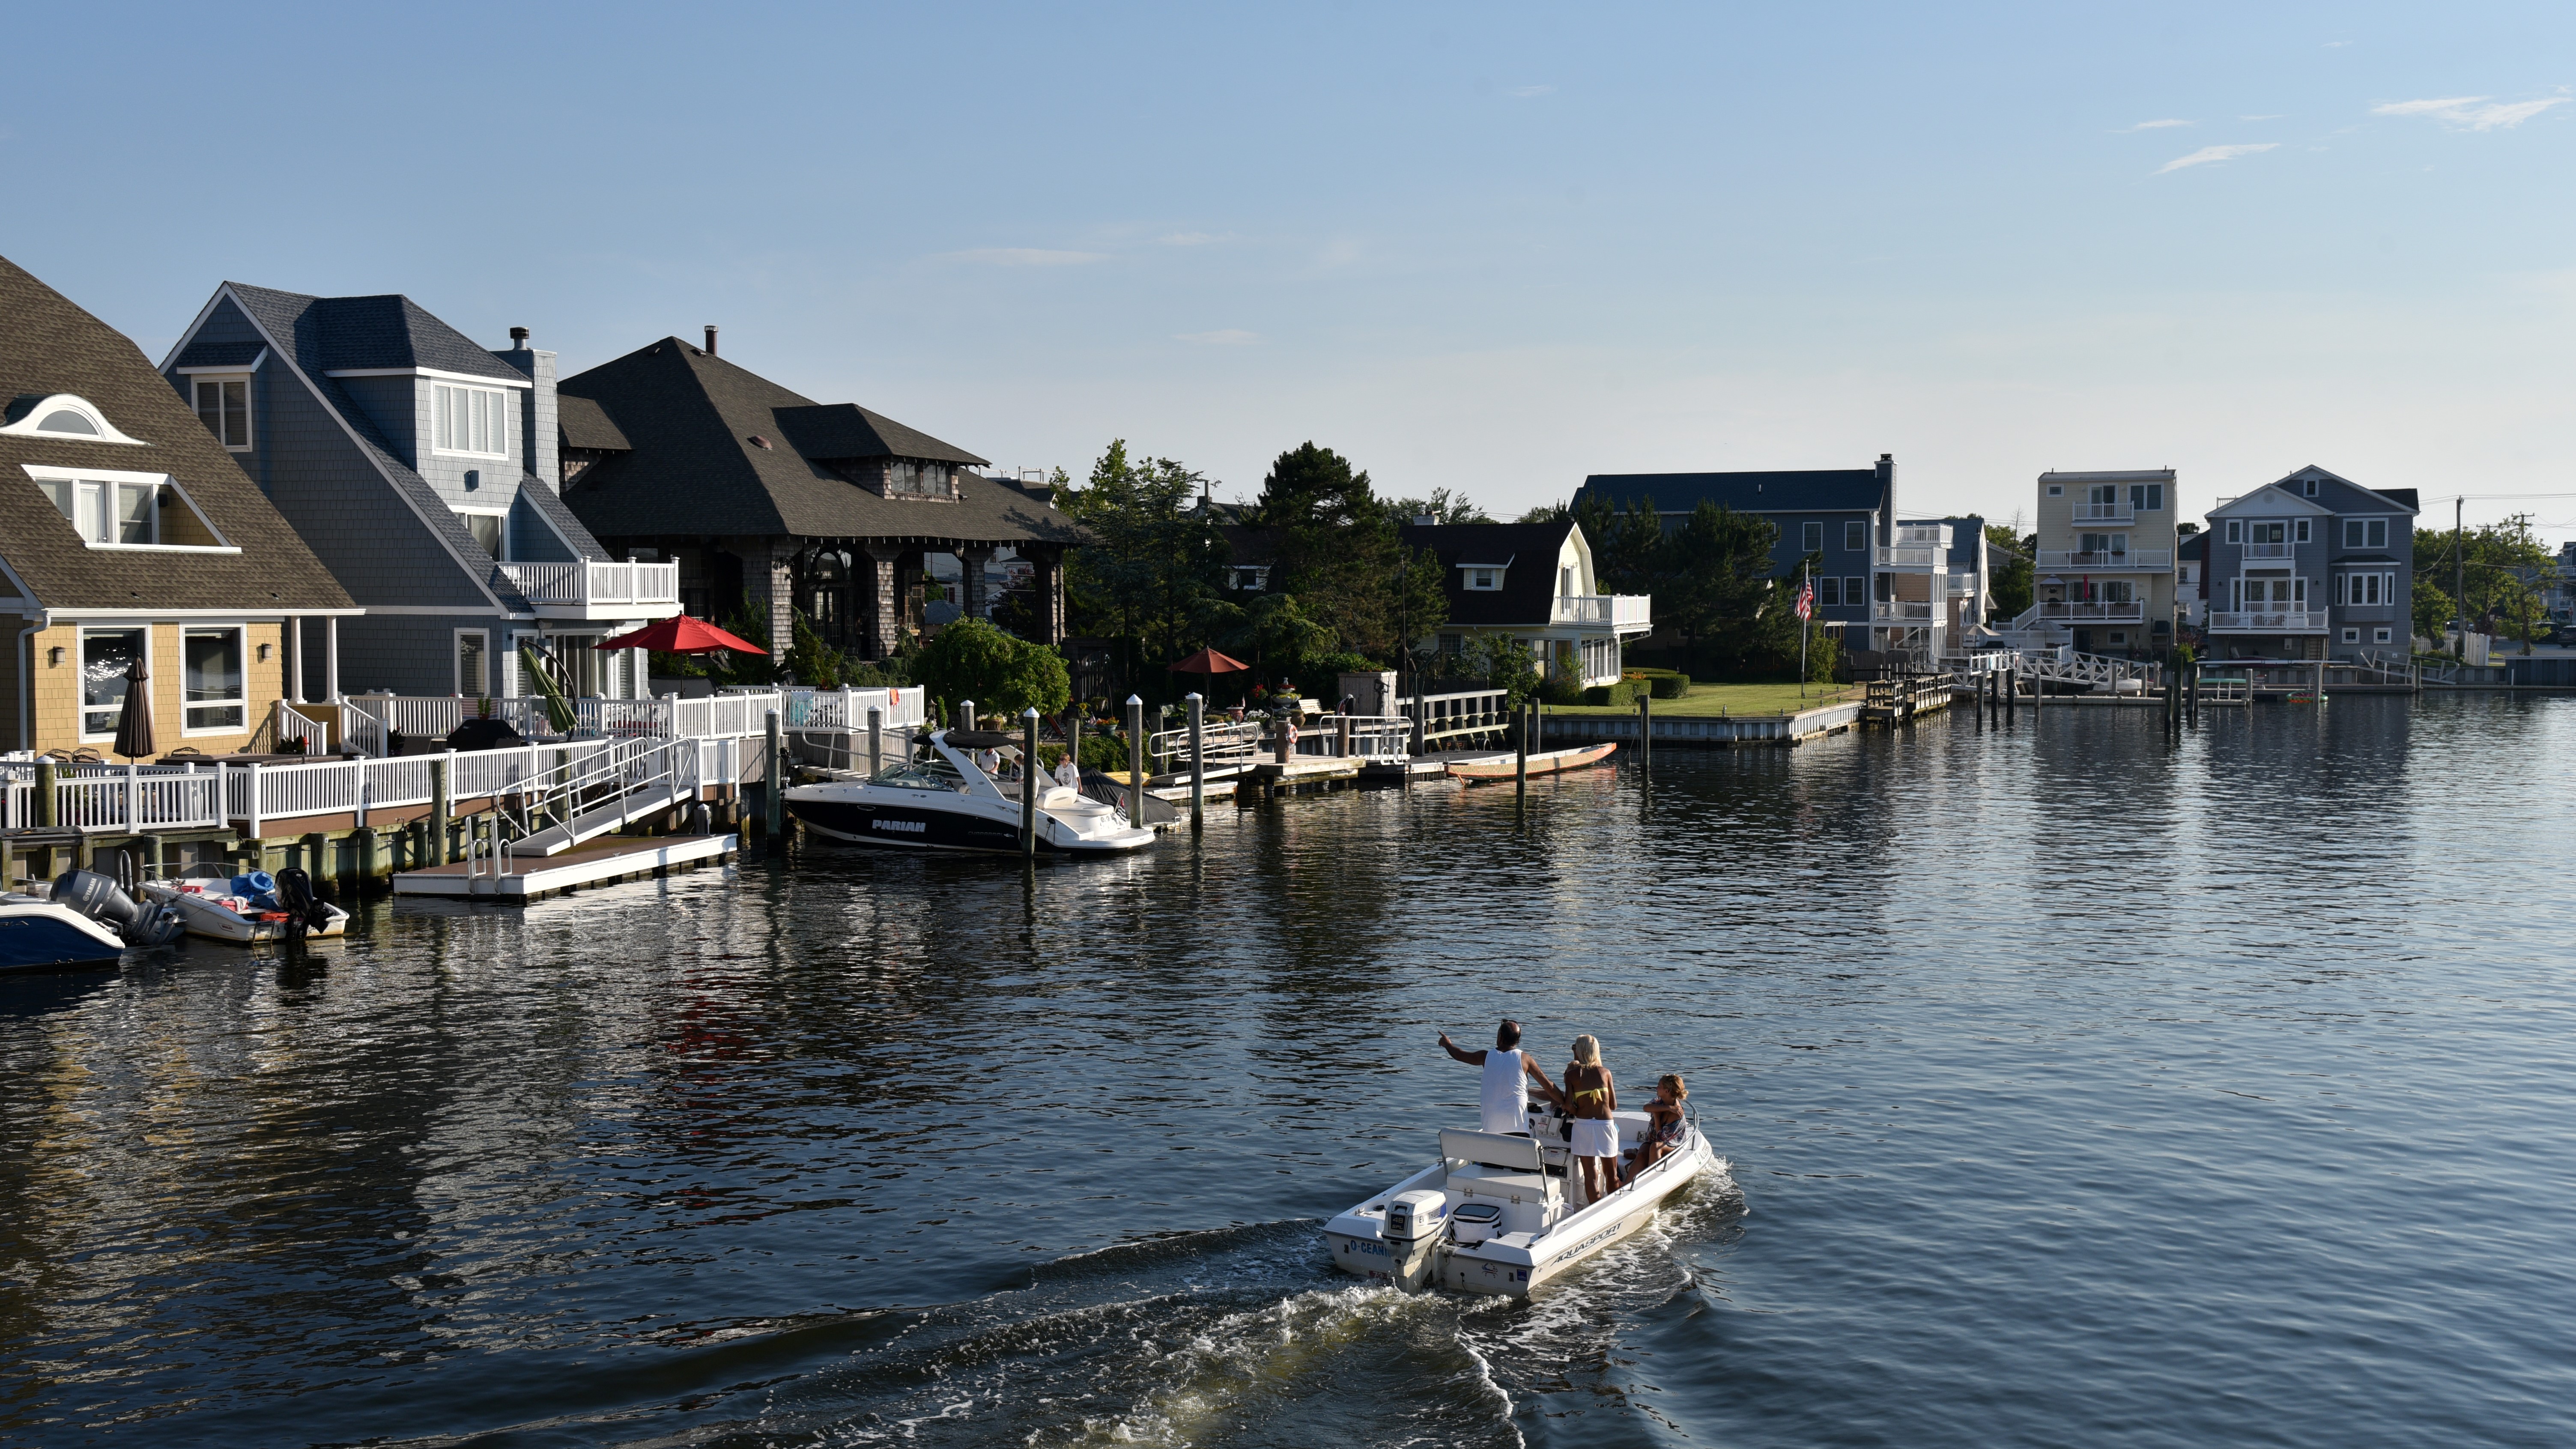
column 2086, row 558
column 593, row 582
column 1616, row 611
column 2277, row 621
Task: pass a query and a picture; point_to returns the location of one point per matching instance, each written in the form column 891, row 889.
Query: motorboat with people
column 1504, row 1212
column 958, row 789
column 82, row 920
column 246, row 907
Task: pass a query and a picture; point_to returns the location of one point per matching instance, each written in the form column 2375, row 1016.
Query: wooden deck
column 598, row 862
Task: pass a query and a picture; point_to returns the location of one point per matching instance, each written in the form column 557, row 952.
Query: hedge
column 1624, row 694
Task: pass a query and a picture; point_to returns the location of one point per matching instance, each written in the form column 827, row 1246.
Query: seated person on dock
column 1508, row 1073
column 1664, row 1123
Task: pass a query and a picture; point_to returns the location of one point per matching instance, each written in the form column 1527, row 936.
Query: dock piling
column 1646, row 729
column 876, row 741
column 774, row 781
column 1029, row 783
column 1520, row 759
column 1198, row 763
column 1135, row 760
column 441, row 809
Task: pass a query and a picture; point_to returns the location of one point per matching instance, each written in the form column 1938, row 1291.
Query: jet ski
column 959, row 790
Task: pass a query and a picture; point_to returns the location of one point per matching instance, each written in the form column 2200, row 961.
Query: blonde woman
column 1591, row 1096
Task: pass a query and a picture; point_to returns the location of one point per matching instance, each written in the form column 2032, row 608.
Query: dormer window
column 65, row 418
column 223, row 405
column 471, row 421
column 126, row 510
column 1484, row 578
column 912, row 479
column 2308, row 487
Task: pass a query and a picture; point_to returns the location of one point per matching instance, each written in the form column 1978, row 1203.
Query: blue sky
column 1491, row 248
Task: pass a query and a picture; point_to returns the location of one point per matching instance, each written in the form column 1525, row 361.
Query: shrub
column 1562, row 691
column 1624, row 694
column 973, row 660
column 1104, row 752
column 1669, row 685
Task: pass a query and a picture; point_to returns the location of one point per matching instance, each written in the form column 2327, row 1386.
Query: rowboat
column 1550, row 762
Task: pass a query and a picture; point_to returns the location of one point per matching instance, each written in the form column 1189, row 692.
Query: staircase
column 623, row 784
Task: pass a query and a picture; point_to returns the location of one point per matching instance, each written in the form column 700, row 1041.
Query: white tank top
column 1506, row 1092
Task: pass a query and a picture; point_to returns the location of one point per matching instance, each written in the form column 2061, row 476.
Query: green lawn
column 1732, row 699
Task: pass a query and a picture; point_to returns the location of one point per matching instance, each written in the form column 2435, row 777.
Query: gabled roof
column 2270, row 499
column 1528, row 585
column 1812, row 490
column 694, row 468
column 348, row 334
column 52, row 346
column 584, row 424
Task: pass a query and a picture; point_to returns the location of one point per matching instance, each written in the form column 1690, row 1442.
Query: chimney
column 518, row 339
column 711, row 339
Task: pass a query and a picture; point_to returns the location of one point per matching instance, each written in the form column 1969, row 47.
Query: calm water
column 2081, row 1089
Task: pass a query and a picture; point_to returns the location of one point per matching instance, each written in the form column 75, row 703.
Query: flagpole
column 1806, row 613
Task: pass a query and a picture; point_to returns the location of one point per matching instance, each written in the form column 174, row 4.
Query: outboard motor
column 136, row 922
column 297, row 898
column 1415, row 1223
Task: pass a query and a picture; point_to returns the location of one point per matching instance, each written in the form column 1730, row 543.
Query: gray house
column 2314, row 566
column 422, row 470
column 1848, row 515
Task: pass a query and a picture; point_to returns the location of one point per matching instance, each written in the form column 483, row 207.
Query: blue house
column 1847, row 515
column 422, row 470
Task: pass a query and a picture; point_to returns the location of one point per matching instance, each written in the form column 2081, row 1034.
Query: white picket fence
column 130, row 799
column 737, row 715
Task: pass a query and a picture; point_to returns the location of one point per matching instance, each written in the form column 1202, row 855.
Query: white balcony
column 2104, row 513
column 1914, row 556
column 2087, row 611
column 1905, row 613
column 2271, row 550
column 1627, row 613
column 596, row 590
column 2136, row 560
column 2278, row 621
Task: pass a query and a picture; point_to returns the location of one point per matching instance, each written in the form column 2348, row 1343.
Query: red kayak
column 1553, row 762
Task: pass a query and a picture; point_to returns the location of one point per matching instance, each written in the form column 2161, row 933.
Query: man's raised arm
column 1473, row 1059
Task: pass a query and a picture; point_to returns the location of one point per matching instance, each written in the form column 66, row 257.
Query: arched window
column 66, row 417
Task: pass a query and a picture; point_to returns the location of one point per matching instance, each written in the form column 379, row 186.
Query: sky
column 1491, row 248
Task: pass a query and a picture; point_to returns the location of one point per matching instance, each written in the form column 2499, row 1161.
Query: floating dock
column 1707, row 731
column 598, row 862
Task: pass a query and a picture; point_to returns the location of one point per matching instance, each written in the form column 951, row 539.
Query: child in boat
column 1664, row 1122
column 1590, row 1099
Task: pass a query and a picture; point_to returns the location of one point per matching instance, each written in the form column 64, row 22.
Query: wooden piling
column 1646, row 728
column 1520, row 760
column 1029, row 783
column 876, row 741
column 1135, row 759
column 1198, row 763
column 774, row 783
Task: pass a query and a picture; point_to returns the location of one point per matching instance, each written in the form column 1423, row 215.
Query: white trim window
column 107, row 512
column 223, row 405
column 105, row 656
column 1829, row 592
column 474, row 663
column 2302, row 531
column 1855, row 592
column 2147, row 497
column 473, row 422
column 2235, row 530
column 2380, row 635
column 2352, row 636
column 1855, row 535
column 215, row 697
column 2365, row 590
column 490, row 530
column 2365, row 533
column 1484, row 579
column 1811, row 538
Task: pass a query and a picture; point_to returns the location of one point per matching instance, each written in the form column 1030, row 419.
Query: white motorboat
column 212, row 903
column 938, row 797
column 1504, row 1212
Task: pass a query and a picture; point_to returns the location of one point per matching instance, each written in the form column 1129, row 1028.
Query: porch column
column 768, row 576
column 331, row 658
column 873, row 590
column 978, row 598
column 294, row 644
column 1046, row 589
column 908, row 574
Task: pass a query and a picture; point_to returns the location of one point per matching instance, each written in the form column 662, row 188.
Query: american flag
column 1807, row 599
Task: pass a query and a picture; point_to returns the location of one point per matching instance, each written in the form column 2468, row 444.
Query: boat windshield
column 930, row 774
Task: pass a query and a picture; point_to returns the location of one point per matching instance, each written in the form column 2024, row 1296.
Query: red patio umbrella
column 1208, row 661
column 681, row 634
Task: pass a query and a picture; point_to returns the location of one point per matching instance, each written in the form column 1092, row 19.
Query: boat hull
column 856, row 819
column 1552, row 762
column 204, row 919
column 41, row 936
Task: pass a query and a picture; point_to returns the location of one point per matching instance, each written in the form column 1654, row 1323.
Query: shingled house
column 421, row 469
column 126, row 530
column 1532, row 582
column 673, row 453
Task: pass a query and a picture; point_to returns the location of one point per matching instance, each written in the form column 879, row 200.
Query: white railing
column 2271, row 550
column 725, row 716
column 2083, row 611
column 311, row 735
column 722, row 716
column 2081, row 558
column 1903, row 612
column 2104, row 513
column 362, row 731
column 593, row 582
column 1935, row 534
column 1618, row 611
column 1913, row 557
column 1372, row 737
column 1225, row 744
column 137, row 797
column 847, row 709
column 2262, row 621
column 435, row 716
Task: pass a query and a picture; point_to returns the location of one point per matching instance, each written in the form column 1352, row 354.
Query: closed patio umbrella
column 134, row 721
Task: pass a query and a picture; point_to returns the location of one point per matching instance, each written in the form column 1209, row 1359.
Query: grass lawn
column 1732, row 699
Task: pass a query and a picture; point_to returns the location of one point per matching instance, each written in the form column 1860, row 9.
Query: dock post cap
column 1030, row 713
column 1192, row 695
column 1135, row 699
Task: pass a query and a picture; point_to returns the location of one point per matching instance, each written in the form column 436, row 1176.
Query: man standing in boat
column 1508, row 1073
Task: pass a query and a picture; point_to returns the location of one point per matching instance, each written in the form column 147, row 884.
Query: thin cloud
column 2273, row 117
column 2471, row 113
column 1223, row 337
column 2207, row 154
column 1525, row 92
column 1193, row 238
column 2149, row 126
column 1027, row 257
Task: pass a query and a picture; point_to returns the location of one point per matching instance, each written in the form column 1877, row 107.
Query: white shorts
column 1595, row 1137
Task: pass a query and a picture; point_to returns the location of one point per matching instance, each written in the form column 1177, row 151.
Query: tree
column 1309, row 486
column 2498, row 566
column 2011, row 583
column 1155, row 560
column 971, row 659
column 1442, row 506
column 1556, row 512
column 2434, row 608
column 1507, row 665
column 1340, row 555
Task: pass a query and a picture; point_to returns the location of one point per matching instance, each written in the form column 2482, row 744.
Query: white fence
column 129, row 799
column 594, row 582
column 740, row 715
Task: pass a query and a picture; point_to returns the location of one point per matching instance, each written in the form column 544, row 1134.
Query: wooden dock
column 599, row 862
column 1304, row 772
column 1697, row 731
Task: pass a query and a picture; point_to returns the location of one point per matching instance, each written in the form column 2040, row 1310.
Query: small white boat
column 79, row 921
column 209, row 906
column 939, row 798
column 1502, row 1213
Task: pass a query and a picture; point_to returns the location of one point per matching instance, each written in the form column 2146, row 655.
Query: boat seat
column 1499, row 1184
column 1493, row 1149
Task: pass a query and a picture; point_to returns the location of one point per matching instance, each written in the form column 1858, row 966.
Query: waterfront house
column 2312, row 566
column 2104, row 573
column 1932, row 587
column 126, row 531
column 2191, row 579
column 760, row 495
column 1845, row 517
column 421, row 469
column 1532, row 582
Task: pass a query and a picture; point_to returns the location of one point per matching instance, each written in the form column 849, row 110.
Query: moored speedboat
column 1501, row 1212
column 215, row 903
column 938, row 797
column 79, row 922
